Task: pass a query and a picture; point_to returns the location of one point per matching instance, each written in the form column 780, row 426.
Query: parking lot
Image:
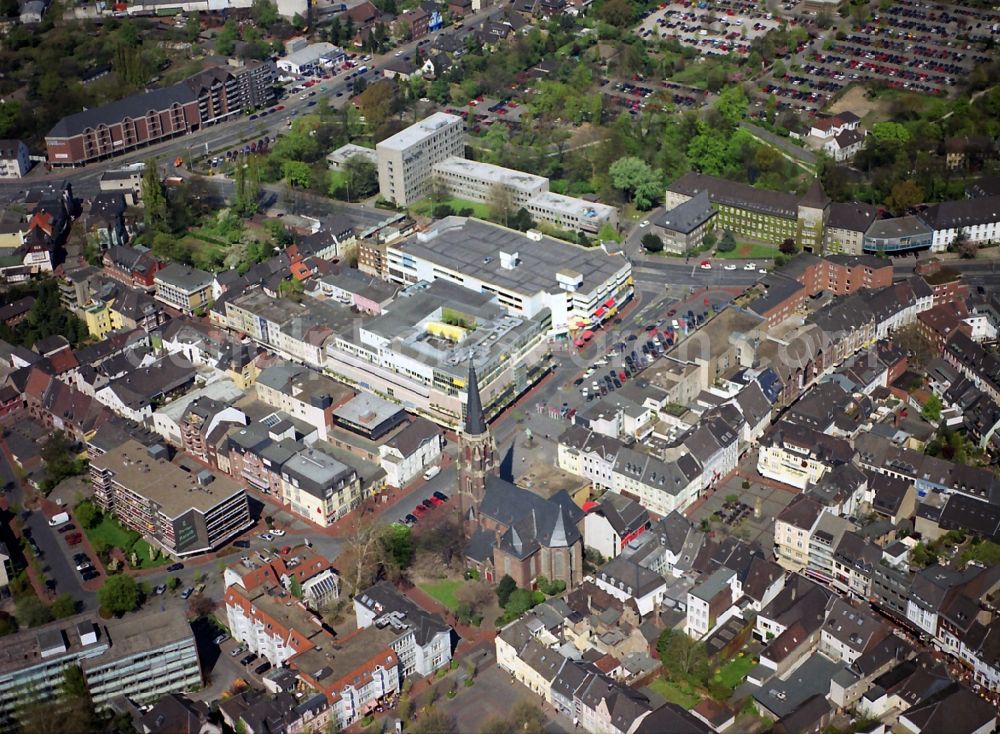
column 728, row 27
column 635, row 96
column 910, row 46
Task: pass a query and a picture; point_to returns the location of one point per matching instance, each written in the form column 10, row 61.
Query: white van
column 61, row 519
column 432, row 472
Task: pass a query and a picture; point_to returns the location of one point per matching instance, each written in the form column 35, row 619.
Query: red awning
column 589, row 505
column 587, row 335
column 600, row 311
column 610, row 303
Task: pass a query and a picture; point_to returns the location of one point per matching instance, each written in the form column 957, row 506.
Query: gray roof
column 809, row 679
column 386, row 598
column 135, row 106
column 185, row 277
column 963, row 212
column 475, row 421
column 744, row 196
column 854, row 216
column 532, row 521
column 636, row 580
column 471, row 247
column 687, row 217
column 712, row 586
column 908, row 226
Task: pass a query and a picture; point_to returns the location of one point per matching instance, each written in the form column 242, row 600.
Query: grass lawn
column 206, row 246
column 426, row 206
column 735, row 671
column 747, row 251
column 678, row 693
column 444, row 591
column 110, row 531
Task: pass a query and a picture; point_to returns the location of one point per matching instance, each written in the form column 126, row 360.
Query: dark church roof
column 475, row 421
column 532, row 521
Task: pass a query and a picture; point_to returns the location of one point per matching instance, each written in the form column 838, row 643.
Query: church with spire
column 510, row 530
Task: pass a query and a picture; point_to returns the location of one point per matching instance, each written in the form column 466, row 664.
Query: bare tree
column 501, row 203
column 364, row 554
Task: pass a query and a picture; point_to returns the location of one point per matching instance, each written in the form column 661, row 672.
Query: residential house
column 613, row 523
column 625, row 579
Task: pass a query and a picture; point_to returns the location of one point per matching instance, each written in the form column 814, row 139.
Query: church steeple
column 477, row 450
column 475, row 421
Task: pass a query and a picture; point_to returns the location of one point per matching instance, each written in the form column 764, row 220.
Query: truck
column 432, row 472
column 59, row 519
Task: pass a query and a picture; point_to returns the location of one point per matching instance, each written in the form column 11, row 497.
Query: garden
column 105, row 533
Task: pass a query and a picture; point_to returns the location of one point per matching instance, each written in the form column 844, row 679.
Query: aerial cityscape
column 499, row 367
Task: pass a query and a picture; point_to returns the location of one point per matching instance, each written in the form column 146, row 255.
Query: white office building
column 570, row 213
column 307, row 59
column 406, row 160
column 494, row 185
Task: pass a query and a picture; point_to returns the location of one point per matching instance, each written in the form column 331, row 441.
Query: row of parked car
column 435, row 500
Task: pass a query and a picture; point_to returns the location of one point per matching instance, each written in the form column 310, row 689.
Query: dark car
column 241, row 543
column 247, row 659
column 632, row 337
column 428, row 504
column 80, row 558
column 89, row 574
column 175, row 567
column 441, row 496
column 67, row 528
column 411, row 519
column 262, row 668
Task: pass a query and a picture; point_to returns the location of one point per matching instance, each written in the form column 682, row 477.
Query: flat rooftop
column 367, row 410
column 127, row 636
column 405, row 326
column 174, row 486
column 573, row 206
column 419, row 131
column 297, row 318
column 529, row 183
column 472, row 247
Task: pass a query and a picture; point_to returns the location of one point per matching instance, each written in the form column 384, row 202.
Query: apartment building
column 14, row 161
column 181, row 506
column 423, row 642
column 319, row 487
column 799, row 456
column 183, row 287
column 846, row 225
column 576, row 287
column 793, row 529
column 978, row 220
column 140, row 657
column 406, row 160
column 146, row 118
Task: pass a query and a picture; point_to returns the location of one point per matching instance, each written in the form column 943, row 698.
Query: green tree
column 682, row 656
column 636, row 179
column 892, row 132
column 727, row 243
column 31, row 612
column 732, row 104
column 225, row 42
column 295, row 587
column 932, row 409
column 119, row 595
column 398, row 542
column 519, row 601
column 618, row 13
column 505, row 588
column 154, row 197
column 787, row 246
column 361, row 177
column 61, row 461
column 192, row 28
column 652, row 243
column 265, row 13
column 904, row 196
column 63, row 606
column 296, row 173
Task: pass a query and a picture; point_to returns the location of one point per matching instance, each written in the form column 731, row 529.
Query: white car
column 750, row 266
column 277, row 531
column 705, row 265
column 266, row 536
column 729, row 267
column 643, row 224
column 762, row 271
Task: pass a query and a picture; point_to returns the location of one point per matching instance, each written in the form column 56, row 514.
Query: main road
column 221, row 137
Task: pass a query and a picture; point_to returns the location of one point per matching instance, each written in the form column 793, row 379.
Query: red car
column 436, row 501
column 74, row 538
column 419, row 510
